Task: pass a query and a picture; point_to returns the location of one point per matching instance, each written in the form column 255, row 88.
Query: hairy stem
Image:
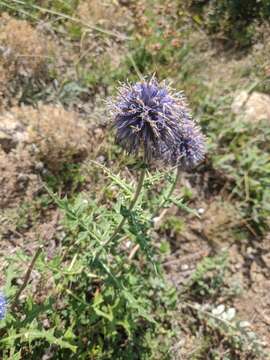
column 169, row 194
column 131, row 206
column 171, row 190
column 26, row 278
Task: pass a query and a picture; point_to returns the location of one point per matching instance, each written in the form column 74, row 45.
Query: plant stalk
column 131, row 206
column 170, row 192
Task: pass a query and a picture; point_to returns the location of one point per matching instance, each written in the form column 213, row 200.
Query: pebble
column 23, row 178
column 39, row 166
column 201, row 211
column 184, row 267
column 101, row 159
column 250, row 250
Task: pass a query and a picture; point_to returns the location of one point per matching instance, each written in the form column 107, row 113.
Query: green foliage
column 173, row 223
column 247, row 161
column 208, row 279
column 237, row 336
column 91, row 301
column 231, row 19
column 69, row 179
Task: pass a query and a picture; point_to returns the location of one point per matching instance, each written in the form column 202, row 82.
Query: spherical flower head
column 190, row 149
column 147, row 115
column 2, row 306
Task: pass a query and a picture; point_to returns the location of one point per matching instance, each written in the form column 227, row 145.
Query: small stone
column 250, row 250
column 252, row 107
column 101, row 159
column 128, row 244
column 230, row 314
column 250, row 253
column 23, row 178
column 201, row 211
column 184, row 267
column 218, row 310
column 243, row 324
column 39, row 166
column 238, row 266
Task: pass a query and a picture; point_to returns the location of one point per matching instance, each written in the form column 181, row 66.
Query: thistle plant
column 153, row 122
column 100, row 293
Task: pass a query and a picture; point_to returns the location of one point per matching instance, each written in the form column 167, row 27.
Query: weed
column 208, row 279
column 100, row 304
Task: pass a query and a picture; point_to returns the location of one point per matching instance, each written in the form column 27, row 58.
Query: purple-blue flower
column 190, row 148
column 148, row 117
column 2, row 306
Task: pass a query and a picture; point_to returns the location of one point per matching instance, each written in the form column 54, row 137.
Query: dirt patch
column 254, row 302
column 17, row 178
column 24, row 50
column 246, row 282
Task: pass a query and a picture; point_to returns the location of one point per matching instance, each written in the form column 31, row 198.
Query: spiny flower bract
column 190, row 149
column 148, row 116
column 2, row 306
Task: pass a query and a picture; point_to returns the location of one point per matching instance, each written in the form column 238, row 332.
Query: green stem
column 170, row 192
column 131, row 206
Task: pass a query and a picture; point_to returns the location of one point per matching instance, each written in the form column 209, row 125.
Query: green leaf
column 135, row 304
column 30, row 335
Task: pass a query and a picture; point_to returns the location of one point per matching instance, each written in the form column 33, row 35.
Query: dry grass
column 51, row 134
column 102, row 12
column 24, row 56
column 25, row 51
column 101, row 53
column 56, row 135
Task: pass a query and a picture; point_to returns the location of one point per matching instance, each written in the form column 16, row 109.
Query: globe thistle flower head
column 2, row 306
column 190, row 149
column 146, row 116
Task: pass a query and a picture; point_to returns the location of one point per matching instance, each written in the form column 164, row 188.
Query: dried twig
column 26, row 278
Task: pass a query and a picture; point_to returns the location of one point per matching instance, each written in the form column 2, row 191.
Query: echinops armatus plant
column 153, row 122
